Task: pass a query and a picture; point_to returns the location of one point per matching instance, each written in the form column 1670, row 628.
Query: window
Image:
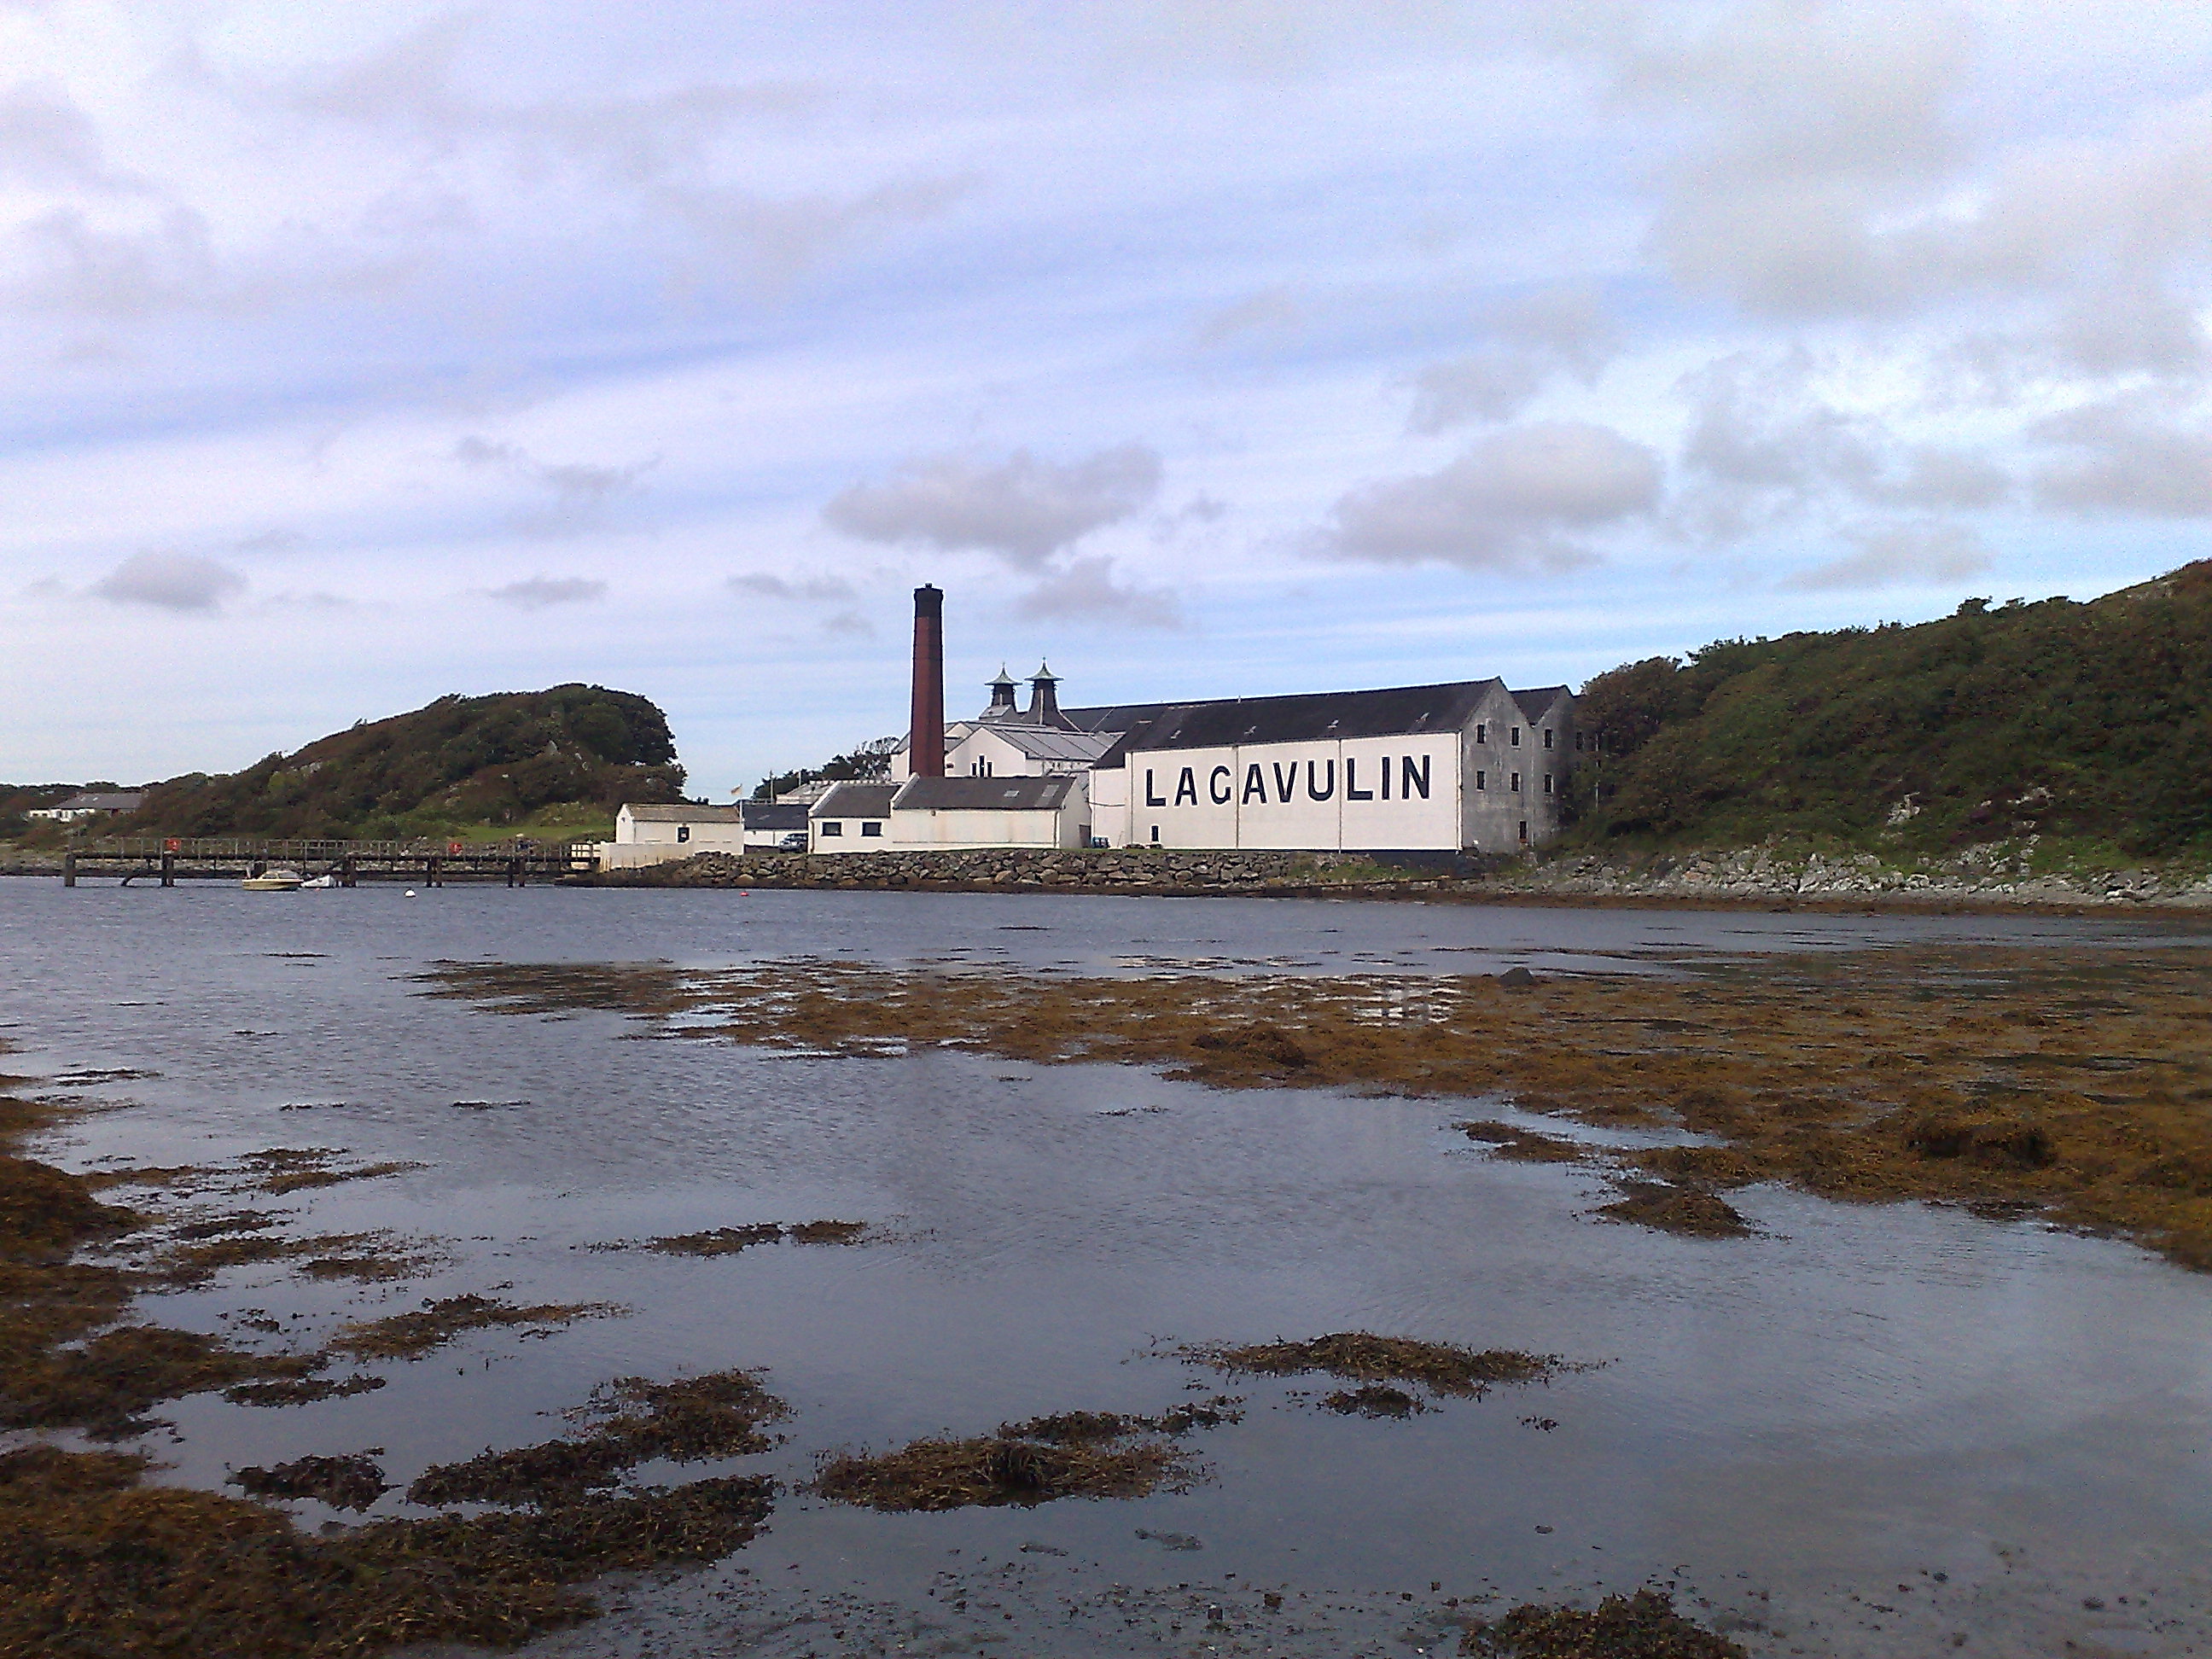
column 1517, row 783
column 1524, row 832
column 1515, row 738
column 831, row 827
column 1482, row 734
column 872, row 827
column 1482, row 780
column 1547, row 736
column 1548, row 783
column 683, row 832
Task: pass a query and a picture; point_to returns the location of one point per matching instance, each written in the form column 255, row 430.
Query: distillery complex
column 1470, row 766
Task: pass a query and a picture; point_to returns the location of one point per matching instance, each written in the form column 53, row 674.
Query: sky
column 352, row 356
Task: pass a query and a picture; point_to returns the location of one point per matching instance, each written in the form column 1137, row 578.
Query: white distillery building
column 1472, row 765
column 655, row 834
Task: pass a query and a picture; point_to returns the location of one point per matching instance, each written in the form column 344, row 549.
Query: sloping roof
column 1114, row 717
column 856, row 800
column 1537, row 703
column 1018, row 794
column 1049, row 742
column 774, row 815
column 1313, row 717
column 682, row 814
column 130, row 801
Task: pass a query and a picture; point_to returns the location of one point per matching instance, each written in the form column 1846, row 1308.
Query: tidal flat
column 1294, row 1278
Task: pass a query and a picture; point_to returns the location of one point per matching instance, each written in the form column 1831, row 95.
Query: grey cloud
column 781, row 237
column 1892, row 554
column 1271, row 310
column 849, row 624
column 1940, row 477
column 811, row 590
column 1086, row 591
column 46, row 140
column 268, row 541
column 539, row 592
column 170, row 581
column 1513, row 499
column 1022, row 508
column 631, row 138
column 1529, row 339
column 81, row 268
column 2129, row 460
column 580, row 489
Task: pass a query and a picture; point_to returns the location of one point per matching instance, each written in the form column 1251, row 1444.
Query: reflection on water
column 1853, row 1398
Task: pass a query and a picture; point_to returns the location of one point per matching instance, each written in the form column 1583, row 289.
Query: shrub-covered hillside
column 462, row 762
column 2088, row 721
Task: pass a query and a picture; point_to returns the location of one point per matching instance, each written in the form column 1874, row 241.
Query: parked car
column 793, row 842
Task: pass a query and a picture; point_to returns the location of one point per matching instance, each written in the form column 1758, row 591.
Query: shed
column 853, row 818
column 1052, row 810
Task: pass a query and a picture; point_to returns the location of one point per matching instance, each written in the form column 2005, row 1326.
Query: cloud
column 2129, row 460
column 1935, row 476
column 810, row 590
column 1513, row 499
column 1022, row 508
column 47, row 140
column 1085, row 592
column 170, row 581
column 580, row 489
column 1892, row 554
column 540, row 592
column 1271, row 310
column 1529, row 339
column 781, row 237
column 849, row 624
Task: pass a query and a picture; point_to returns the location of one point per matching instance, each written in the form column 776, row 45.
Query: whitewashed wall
column 947, row 831
column 1379, row 792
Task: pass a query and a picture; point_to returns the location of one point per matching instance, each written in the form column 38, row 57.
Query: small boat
column 275, row 881
column 318, row 883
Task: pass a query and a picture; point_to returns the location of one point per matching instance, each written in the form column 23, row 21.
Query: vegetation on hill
column 2088, row 722
column 557, row 763
column 871, row 759
column 17, row 800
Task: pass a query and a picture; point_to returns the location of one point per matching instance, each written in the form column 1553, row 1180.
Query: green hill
column 2090, row 723
column 555, row 764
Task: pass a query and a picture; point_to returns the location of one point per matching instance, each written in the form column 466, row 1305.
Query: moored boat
column 275, row 881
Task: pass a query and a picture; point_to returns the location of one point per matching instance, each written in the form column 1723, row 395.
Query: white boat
column 275, row 881
column 318, row 882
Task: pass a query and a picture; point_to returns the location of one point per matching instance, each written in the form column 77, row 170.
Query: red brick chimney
column 925, row 743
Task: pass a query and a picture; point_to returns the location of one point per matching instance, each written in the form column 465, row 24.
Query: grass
column 1363, row 1357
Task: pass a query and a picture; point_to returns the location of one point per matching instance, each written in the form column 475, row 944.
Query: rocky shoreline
column 1997, row 877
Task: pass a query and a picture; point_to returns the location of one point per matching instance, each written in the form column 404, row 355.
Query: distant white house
column 851, row 817
column 658, row 835
column 1011, row 810
column 84, row 804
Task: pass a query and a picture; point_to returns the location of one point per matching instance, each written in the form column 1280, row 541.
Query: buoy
column 410, row 892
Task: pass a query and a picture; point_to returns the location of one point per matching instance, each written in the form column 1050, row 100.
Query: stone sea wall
column 1998, row 877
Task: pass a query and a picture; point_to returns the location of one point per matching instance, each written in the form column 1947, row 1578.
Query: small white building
column 851, row 817
column 943, row 814
column 91, row 804
column 656, row 834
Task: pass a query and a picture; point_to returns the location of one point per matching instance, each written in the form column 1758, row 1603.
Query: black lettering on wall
column 1151, row 799
column 1351, row 792
column 1256, row 785
column 1187, row 787
column 1313, row 792
column 1286, row 780
column 1216, row 784
column 1415, row 780
column 1386, row 777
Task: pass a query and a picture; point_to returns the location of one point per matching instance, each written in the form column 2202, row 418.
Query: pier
column 169, row 860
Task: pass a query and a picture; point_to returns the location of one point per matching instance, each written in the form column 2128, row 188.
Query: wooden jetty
column 433, row 864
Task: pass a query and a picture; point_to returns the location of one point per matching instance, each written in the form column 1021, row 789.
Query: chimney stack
column 925, row 746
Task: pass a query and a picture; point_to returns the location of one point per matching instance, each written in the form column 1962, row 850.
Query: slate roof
column 1050, row 743
column 1016, row 795
column 774, row 815
column 684, row 814
column 856, row 800
column 95, row 801
column 1311, row 717
column 1534, row 705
